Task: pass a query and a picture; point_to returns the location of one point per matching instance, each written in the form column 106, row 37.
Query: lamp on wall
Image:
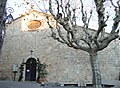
column 8, row 18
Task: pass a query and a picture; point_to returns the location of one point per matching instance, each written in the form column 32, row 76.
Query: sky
column 22, row 6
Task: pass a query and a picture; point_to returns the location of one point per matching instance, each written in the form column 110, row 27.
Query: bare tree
column 2, row 20
column 93, row 42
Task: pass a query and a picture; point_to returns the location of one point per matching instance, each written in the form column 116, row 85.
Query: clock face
column 33, row 25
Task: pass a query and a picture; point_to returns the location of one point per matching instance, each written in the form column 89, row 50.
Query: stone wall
column 63, row 63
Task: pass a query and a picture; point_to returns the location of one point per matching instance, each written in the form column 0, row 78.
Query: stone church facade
column 64, row 64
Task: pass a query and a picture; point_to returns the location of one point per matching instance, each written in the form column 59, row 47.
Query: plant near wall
column 42, row 73
column 21, row 72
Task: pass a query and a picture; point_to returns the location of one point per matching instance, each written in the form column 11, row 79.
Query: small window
column 33, row 25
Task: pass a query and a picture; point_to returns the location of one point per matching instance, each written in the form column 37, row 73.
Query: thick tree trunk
column 96, row 75
column 2, row 10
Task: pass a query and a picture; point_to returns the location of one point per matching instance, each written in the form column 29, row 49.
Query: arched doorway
column 30, row 73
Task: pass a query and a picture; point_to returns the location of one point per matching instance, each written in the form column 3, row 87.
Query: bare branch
column 56, row 38
column 62, row 8
column 113, row 3
column 90, row 16
column 54, row 35
column 50, row 9
column 75, row 42
column 106, row 41
column 84, row 19
column 58, row 7
column 101, row 18
column 73, row 21
column 117, row 17
column 88, row 39
column 61, row 35
column 107, row 18
column 67, row 10
column 87, row 42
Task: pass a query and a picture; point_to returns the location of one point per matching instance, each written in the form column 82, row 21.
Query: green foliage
column 41, row 68
column 21, row 72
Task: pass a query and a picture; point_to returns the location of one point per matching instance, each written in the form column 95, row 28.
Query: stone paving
column 15, row 84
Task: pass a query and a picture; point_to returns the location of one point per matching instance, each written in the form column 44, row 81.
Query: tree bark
column 96, row 79
column 2, row 10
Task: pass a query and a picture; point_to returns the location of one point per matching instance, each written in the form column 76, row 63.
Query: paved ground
column 14, row 84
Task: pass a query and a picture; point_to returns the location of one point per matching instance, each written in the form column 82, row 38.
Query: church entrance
column 30, row 73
